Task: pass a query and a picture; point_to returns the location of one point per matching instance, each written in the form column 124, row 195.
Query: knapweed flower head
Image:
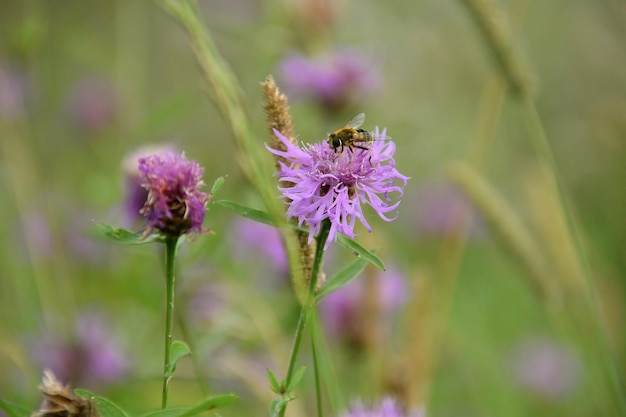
column 388, row 407
column 322, row 183
column 175, row 205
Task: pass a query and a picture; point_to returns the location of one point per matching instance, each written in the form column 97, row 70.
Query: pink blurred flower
column 334, row 80
column 545, row 367
column 259, row 243
column 342, row 311
column 13, row 92
column 388, row 407
column 443, row 210
column 93, row 104
column 92, row 356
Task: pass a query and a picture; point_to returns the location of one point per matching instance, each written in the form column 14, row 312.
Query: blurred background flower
column 91, row 357
column 355, row 314
column 93, row 104
column 334, row 80
column 545, row 367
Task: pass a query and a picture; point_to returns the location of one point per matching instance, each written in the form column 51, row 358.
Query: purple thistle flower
column 388, row 407
column 325, row 184
column 175, row 205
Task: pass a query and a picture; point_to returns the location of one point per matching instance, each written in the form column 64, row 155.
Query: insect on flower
column 352, row 136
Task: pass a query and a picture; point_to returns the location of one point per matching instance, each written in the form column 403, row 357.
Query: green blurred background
column 84, row 84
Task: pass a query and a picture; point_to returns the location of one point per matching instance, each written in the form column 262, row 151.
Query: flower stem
column 170, row 254
column 308, row 306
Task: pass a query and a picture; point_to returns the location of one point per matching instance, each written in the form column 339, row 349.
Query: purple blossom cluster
column 175, row 205
column 325, row 184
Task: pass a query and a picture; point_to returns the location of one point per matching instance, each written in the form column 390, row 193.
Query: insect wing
column 356, row 121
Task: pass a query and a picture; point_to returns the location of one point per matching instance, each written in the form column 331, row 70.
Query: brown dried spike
column 278, row 115
column 60, row 400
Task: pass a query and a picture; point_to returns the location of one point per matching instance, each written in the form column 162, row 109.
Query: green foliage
column 106, row 407
column 274, row 384
column 124, row 236
column 342, row 278
column 297, row 378
column 217, row 185
column 179, row 351
column 14, row 410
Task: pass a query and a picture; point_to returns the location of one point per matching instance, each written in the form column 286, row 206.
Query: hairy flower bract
column 320, row 183
column 175, row 205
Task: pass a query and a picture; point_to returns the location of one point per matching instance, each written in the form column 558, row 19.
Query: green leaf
column 14, row 410
column 360, row 251
column 217, row 184
column 124, row 236
column 106, row 407
column 211, row 403
column 168, row 412
column 297, row 377
column 274, row 384
column 248, row 212
column 179, row 351
column 343, row 277
column 278, row 405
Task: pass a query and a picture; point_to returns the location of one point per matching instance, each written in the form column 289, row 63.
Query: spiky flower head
column 324, row 184
column 175, row 205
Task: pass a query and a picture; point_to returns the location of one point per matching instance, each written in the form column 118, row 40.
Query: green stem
column 307, row 307
column 170, row 254
column 316, row 370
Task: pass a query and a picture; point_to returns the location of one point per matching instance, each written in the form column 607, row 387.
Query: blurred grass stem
column 591, row 308
column 223, row 89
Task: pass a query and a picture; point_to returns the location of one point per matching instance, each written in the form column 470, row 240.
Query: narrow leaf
column 123, row 236
column 14, row 410
column 168, row 412
column 106, row 407
column 274, row 384
column 211, row 403
column 343, row 277
column 297, row 377
column 217, row 184
column 248, row 212
column 360, row 251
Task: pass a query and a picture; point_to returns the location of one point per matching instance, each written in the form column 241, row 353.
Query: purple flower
column 136, row 195
column 388, row 407
column 92, row 104
column 175, row 205
column 334, row 185
column 13, row 92
column 93, row 354
column 334, row 80
column 259, row 243
column 444, row 210
column 343, row 310
column 546, row 368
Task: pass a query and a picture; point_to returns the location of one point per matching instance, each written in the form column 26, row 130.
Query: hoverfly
column 351, row 136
